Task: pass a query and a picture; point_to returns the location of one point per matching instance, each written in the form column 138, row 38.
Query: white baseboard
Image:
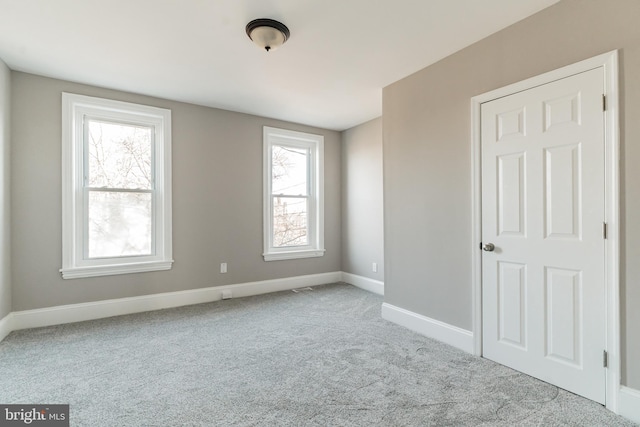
column 6, row 326
column 375, row 286
column 629, row 403
column 428, row 327
column 116, row 307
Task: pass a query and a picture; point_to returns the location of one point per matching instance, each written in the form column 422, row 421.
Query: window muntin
column 293, row 194
column 116, row 187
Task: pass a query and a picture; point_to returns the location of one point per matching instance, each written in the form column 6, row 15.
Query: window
column 294, row 194
column 116, row 187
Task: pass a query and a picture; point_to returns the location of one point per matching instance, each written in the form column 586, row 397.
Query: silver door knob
column 489, row 247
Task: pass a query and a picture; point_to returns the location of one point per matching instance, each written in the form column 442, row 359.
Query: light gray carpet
column 316, row 358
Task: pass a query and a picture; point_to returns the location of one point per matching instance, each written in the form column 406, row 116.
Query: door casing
column 609, row 63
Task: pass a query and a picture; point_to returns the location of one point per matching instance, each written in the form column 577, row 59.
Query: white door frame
column 609, row 62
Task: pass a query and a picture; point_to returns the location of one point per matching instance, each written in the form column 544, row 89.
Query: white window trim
column 74, row 109
column 274, row 136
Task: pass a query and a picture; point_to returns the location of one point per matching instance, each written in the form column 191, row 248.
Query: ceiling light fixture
column 267, row 33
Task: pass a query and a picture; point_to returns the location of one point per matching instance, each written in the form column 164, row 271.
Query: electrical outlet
column 223, row 267
column 374, row 267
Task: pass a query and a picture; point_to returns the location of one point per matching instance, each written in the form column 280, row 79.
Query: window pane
column 289, row 170
column 290, row 225
column 119, row 155
column 119, row 224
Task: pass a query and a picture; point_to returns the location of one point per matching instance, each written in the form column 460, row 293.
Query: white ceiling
column 329, row 74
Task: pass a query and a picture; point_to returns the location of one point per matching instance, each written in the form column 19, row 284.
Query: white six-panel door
column 543, row 180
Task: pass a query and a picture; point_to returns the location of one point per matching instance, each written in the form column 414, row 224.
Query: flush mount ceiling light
column 267, row 33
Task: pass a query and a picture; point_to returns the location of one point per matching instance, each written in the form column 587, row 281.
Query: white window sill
column 278, row 256
column 113, row 269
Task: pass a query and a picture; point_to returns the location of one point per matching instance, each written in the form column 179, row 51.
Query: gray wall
column 217, row 200
column 5, row 225
column 362, row 224
column 426, row 125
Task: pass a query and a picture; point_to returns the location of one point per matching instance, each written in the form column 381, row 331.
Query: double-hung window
column 116, row 187
column 294, row 194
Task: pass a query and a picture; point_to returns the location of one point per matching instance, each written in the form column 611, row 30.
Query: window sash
column 108, row 120
column 309, row 221
column 86, row 224
column 308, row 184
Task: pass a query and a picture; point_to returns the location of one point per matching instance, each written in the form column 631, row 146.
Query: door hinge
column 604, row 102
column 605, row 359
column 604, row 230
